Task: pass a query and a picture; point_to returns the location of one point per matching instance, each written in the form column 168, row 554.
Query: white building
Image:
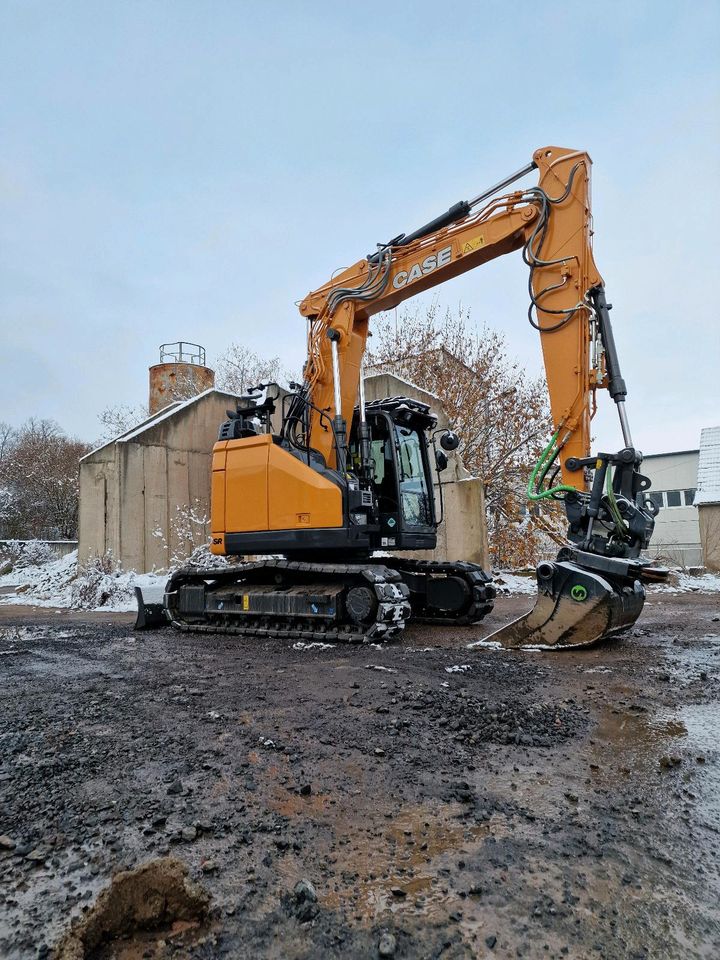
column 677, row 531
column 707, row 498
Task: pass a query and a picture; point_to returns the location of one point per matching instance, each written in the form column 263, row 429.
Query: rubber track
column 479, row 583
column 393, row 605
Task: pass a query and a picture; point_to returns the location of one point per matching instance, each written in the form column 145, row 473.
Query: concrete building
column 677, row 532
column 707, row 498
column 145, row 496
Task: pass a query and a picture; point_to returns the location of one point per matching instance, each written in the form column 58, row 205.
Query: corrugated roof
column 708, row 485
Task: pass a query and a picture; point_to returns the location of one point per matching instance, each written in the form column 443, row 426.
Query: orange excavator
column 343, row 478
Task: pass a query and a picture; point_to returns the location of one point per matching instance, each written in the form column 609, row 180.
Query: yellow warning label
column 473, row 244
column 246, row 602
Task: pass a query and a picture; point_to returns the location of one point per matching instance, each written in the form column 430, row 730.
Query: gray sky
column 190, row 170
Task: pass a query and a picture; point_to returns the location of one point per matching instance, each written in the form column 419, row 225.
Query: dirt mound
column 153, row 895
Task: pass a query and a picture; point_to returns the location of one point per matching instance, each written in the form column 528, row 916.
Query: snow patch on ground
column 508, row 583
column 300, row 645
column 99, row 585
column 488, row 644
column 58, row 584
column 680, row 582
column 496, row 645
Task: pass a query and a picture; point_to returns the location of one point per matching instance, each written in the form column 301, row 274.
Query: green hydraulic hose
column 612, row 503
column 542, row 467
column 546, row 458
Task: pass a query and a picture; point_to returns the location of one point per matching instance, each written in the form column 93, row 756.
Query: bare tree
column 7, row 434
column 238, row 368
column 39, row 474
column 501, row 415
column 119, row 419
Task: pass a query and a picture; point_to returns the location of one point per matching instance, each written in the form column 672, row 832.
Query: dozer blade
column 151, row 609
column 575, row 607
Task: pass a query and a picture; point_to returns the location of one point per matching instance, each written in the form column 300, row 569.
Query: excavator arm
column 550, row 223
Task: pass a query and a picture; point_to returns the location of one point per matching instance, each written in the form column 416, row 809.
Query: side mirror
column 441, row 461
column 449, row 441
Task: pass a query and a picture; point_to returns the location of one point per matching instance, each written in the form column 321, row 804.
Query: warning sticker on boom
column 470, row 245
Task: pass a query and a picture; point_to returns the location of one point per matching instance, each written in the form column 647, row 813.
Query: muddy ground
column 525, row 805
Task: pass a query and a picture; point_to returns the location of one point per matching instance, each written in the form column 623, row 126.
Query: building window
column 673, row 498
column 657, row 499
column 689, row 497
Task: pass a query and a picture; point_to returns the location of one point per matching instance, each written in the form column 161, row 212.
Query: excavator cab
column 397, row 473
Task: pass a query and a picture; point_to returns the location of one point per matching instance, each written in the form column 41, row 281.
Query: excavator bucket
column 575, row 607
column 151, row 609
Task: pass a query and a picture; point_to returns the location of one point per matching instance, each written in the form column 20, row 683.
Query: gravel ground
column 418, row 800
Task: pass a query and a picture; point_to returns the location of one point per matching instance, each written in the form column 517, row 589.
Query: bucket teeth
column 575, row 607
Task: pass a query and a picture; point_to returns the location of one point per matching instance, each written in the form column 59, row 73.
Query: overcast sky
column 173, row 169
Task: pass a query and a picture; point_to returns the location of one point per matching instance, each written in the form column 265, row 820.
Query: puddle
column 702, row 723
column 384, row 867
column 405, row 866
column 629, row 744
column 641, row 736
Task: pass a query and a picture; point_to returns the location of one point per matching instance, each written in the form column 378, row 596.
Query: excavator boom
column 551, row 223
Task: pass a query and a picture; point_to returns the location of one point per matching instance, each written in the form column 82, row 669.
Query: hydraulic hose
column 541, row 467
column 613, row 505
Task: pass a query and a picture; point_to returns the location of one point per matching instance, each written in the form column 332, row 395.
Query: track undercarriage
column 326, row 602
column 581, row 599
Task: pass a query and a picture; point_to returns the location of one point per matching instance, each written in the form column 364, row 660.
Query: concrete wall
column 98, row 519
column 677, row 530
column 709, row 514
column 708, row 496
column 463, row 533
column 145, row 497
